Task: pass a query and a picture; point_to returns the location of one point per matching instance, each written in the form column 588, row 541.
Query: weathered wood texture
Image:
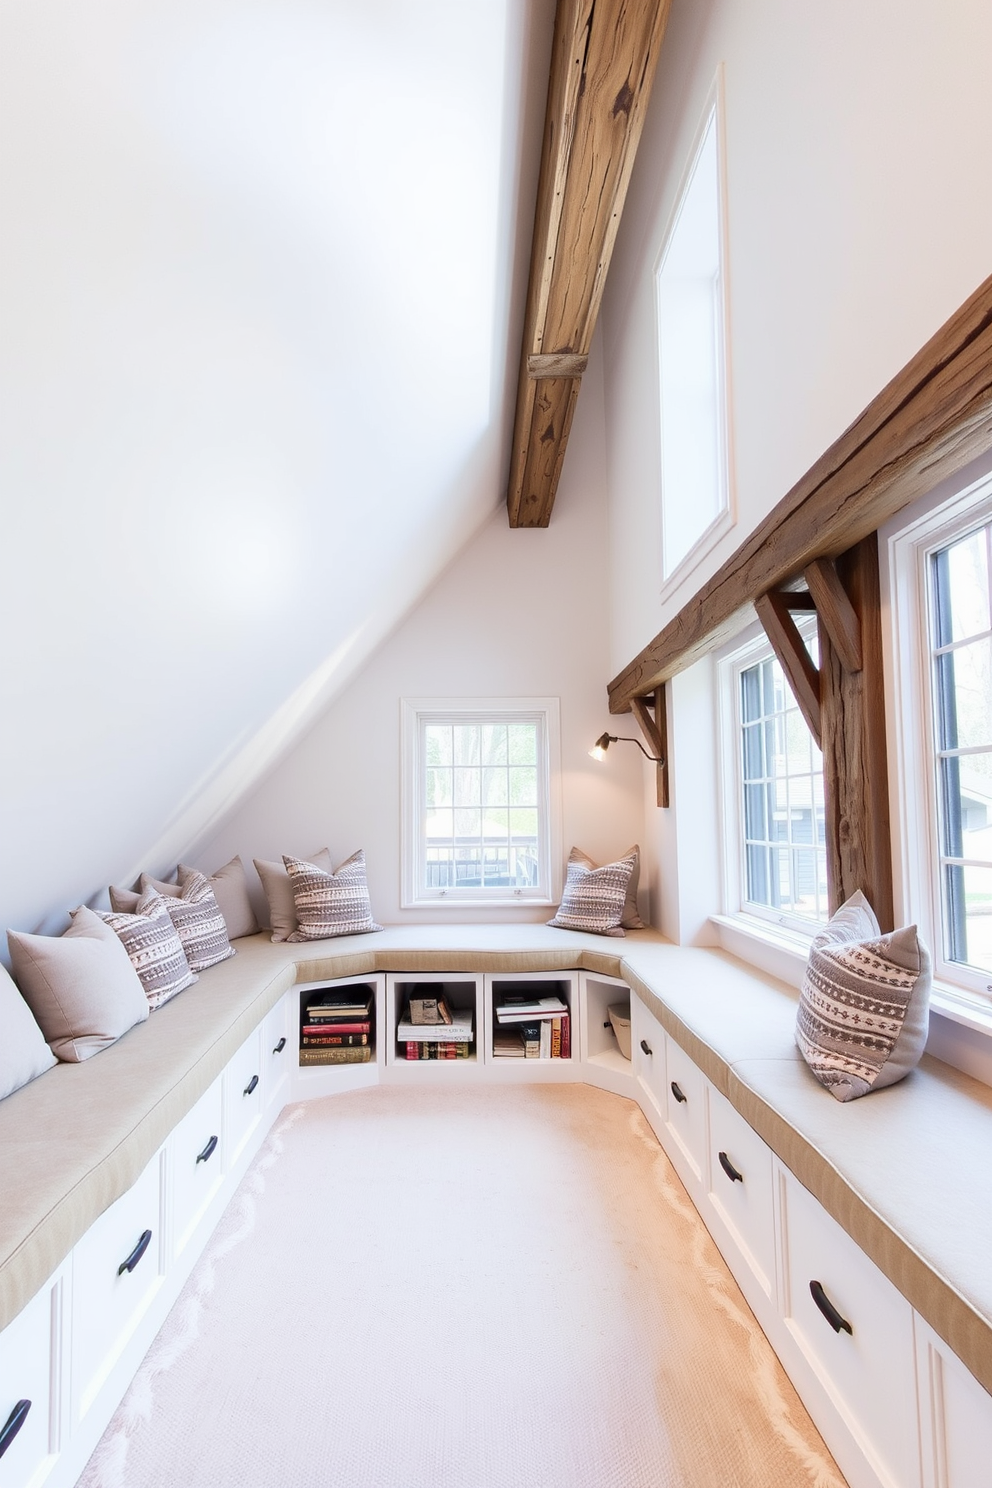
column 603, row 63
column 836, row 611
column 799, row 667
column 654, row 727
column 557, row 364
column 855, row 777
column 931, row 419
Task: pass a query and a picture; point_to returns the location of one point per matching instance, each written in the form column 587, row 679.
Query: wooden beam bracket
column 835, row 611
column 775, row 613
column 655, row 730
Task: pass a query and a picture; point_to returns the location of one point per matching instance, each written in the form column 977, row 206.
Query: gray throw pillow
column 630, row 919
column 594, row 898
column 196, row 915
column 152, row 943
column 863, row 1009
column 23, row 1051
column 329, row 904
column 230, row 888
column 80, row 986
column 279, row 891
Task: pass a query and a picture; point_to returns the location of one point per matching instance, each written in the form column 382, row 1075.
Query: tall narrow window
column 695, row 459
column 961, row 646
column 781, row 774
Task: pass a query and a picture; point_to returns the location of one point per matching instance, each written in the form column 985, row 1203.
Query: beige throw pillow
column 23, row 1051
column 279, row 892
column 152, row 942
column 230, row 888
column 196, row 916
column 329, row 904
column 630, row 919
column 863, row 1009
column 80, row 986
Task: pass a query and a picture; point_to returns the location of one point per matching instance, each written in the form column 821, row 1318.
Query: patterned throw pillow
column 630, row 919
column 278, row 888
column 152, row 942
column 594, row 898
column 863, row 1018
column 196, row 915
column 330, row 903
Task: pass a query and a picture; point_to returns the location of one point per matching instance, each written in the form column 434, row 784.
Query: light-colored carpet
column 452, row 1288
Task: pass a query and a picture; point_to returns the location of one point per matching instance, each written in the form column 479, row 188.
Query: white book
column 546, row 1040
column 532, row 1012
column 458, row 1031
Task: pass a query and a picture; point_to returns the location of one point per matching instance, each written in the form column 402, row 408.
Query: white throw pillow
column 23, row 1051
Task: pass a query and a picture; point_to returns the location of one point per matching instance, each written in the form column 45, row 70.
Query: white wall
column 857, row 139
column 519, row 613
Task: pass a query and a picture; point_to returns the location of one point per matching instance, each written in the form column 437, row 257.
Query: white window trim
column 412, row 711
column 786, row 938
column 726, row 519
column 905, row 548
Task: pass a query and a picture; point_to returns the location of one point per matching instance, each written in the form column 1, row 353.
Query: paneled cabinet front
column 28, row 1368
column 196, row 1159
column 117, row 1268
column 685, row 1115
column 742, row 1194
column 243, row 1095
column 279, row 1052
column 647, row 1048
column 856, row 1331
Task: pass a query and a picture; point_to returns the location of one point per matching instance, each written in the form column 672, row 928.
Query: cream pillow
column 279, row 892
column 863, row 1009
column 23, row 1051
column 630, row 919
column 330, row 904
column 80, row 986
column 153, row 945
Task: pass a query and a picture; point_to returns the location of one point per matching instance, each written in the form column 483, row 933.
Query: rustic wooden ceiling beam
column 604, row 57
column 932, row 418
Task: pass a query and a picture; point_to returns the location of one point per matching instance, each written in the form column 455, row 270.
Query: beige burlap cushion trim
column 330, row 904
column 154, row 947
column 863, row 1009
column 594, row 898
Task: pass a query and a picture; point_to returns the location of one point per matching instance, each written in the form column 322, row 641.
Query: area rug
column 501, row 1287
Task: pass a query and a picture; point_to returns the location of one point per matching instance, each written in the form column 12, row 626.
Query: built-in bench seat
column 904, row 1171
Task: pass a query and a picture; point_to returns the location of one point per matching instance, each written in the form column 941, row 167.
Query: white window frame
column 414, row 714
column 794, row 932
column 906, row 549
column 726, row 517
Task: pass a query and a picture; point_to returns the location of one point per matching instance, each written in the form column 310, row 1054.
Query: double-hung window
column 775, row 852
column 479, row 808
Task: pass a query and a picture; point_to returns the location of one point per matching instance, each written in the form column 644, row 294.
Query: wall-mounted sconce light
column 602, row 744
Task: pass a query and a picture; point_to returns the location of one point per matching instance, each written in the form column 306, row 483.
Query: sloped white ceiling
column 261, row 269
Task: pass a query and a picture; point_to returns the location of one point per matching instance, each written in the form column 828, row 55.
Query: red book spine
column 337, row 1028
column 413, row 1049
column 566, row 1036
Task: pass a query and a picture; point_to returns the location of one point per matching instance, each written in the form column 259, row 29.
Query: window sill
column 780, row 953
column 960, row 1007
column 446, row 901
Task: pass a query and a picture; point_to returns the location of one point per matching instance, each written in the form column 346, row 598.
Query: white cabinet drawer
column 196, row 1158
column 243, row 1094
column 647, row 1048
column 956, row 1417
column 741, row 1191
column 116, row 1271
column 685, row 1113
column 869, row 1371
column 278, row 1053
column 27, row 1370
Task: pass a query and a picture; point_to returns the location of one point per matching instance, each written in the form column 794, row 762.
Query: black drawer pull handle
column 207, row 1152
column 644, row 1044
column 607, row 1024
column 279, row 1046
column 679, row 1095
column 13, row 1424
column 833, row 1317
column 136, row 1254
column 251, row 1085
column 729, row 1168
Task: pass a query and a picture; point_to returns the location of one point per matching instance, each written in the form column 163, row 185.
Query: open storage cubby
column 601, row 1049
column 332, row 1037
column 532, row 988
column 462, row 993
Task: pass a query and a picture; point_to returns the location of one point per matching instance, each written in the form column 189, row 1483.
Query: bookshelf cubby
column 532, row 986
column 461, row 991
column 340, row 1076
column 600, row 1048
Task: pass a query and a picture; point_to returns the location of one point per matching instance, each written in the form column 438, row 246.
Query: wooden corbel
column 835, row 612
column 654, row 727
column 775, row 611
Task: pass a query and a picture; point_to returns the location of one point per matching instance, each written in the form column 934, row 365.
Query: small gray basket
column 619, row 1015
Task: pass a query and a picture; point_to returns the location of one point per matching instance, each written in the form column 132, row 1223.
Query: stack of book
column 337, row 1027
column 430, row 1029
column 529, row 1027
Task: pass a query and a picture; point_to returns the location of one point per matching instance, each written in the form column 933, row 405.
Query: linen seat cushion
column 329, row 904
column 196, row 915
column 279, row 892
column 594, row 898
column 630, row 919
column 23, row 1051
column 81, row 986
column 153, row 945
column 863, row 1009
